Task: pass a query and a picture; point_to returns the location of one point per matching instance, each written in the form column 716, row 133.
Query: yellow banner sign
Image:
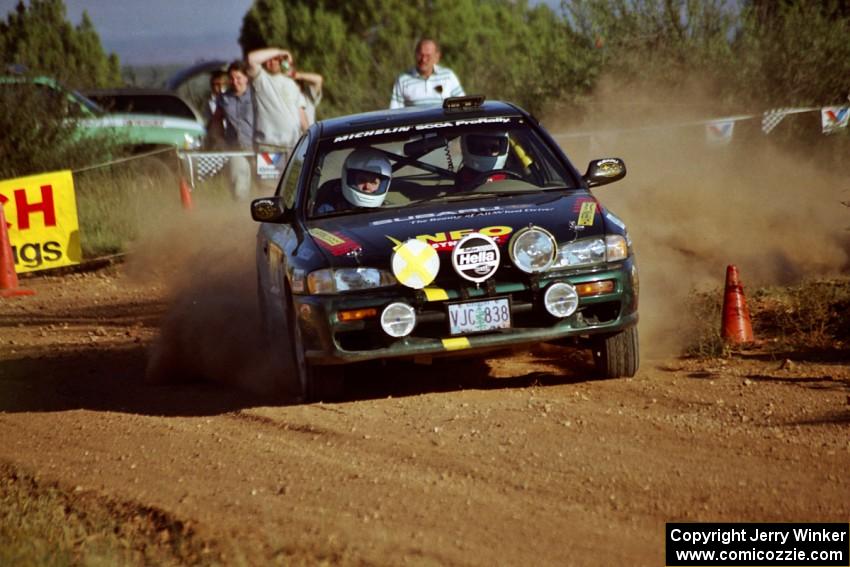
column 41, row 216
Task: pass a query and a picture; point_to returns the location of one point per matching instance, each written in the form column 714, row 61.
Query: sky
column 156, row 32
column 159, row 32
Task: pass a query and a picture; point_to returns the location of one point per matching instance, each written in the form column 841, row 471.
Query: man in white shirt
column 427, row 82
column 278, row 101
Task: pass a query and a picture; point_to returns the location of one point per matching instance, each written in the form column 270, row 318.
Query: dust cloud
column 204, row 259
column 694, row 204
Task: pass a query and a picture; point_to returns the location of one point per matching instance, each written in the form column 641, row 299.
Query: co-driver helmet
column 484, row 152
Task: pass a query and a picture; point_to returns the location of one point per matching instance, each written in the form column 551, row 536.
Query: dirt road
column 517, row 461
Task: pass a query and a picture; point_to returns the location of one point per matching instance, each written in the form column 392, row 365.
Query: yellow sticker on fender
column 587, row 214
column 326, row 237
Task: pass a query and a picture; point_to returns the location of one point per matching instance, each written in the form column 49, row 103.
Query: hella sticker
column 476, row 257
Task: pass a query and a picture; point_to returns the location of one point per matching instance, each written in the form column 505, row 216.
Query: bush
column 38, row 135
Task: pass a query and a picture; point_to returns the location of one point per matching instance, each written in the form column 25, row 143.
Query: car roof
column 147, row 101
column 135, row 91
column 412, row 115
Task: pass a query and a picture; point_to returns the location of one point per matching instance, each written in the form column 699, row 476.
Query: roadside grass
column 114, row 204
column 42, row 525
column 810, row 317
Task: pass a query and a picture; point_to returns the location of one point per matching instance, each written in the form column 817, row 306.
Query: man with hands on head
column 279, row 102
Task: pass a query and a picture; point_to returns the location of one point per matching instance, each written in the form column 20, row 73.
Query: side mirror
column 604, row 171
column 269, row 209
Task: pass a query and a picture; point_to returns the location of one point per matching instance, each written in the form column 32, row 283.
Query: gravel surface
column 519, row 460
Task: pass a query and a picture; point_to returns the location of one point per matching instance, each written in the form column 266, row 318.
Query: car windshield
column 444, row 161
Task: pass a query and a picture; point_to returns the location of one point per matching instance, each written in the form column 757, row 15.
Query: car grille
column 527, row 313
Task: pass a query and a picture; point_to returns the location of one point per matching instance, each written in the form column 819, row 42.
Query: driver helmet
column 484, row 152
column 366, row 176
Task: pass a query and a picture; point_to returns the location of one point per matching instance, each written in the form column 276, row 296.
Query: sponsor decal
column 422, row 127
column 427, row 218
column 335, row 243
column 719, row 132
column 270, row 164
column 833, row 118
column 476, row 257
column 446, row 240
column 608, row 167
column 579, row 203
column 587, row 213
column 415, row 264
column 41, row 218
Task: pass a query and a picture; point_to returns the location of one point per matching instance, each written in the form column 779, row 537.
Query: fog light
column 398, row 319
column 560, row 299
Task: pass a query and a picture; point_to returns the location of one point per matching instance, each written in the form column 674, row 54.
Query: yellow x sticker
column 415, row 264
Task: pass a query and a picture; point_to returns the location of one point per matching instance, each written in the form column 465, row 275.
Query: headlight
column 589, row 251
column 335, row 280
column 533, row 249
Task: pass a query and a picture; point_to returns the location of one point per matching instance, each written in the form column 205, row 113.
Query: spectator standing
column 219, row 83
column 235, row 107
column 279, row 103
column 311, row 88
column 427, row 82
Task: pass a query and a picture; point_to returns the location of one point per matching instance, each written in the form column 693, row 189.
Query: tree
column 40, row 38
column 503, row 49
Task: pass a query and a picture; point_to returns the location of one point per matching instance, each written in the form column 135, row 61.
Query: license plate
column 479, row 316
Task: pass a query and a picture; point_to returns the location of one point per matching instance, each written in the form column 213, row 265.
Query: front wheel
column 303, row 381
column 617, row 356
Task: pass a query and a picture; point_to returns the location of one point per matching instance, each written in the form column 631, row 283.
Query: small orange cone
column 736, row 327
column 185, row 194
column 8, row 276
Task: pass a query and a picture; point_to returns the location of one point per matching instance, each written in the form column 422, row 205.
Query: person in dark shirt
column 235, row 107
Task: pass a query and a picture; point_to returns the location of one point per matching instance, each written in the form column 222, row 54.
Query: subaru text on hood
column 439, row 231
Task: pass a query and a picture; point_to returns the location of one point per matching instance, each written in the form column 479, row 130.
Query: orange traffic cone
column 736, row 327
column 8, row 276
column 185, row 194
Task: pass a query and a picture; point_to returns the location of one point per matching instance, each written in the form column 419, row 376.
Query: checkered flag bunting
column 207, row 165
column 771, row 119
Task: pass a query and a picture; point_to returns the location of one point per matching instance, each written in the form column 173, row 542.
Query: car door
column 276, row 241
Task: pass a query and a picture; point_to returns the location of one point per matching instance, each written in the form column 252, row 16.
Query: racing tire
column 297, row 378
column 617, row 355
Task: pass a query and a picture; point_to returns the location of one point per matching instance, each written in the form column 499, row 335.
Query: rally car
column 460, row 229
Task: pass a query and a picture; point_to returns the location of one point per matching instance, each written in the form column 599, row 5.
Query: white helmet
column 370, row 166
column 484, row 152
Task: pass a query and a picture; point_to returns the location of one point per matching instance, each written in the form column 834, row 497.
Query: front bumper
column 329, row 341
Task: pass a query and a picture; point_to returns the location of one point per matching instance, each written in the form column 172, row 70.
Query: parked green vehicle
column 141, row 132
